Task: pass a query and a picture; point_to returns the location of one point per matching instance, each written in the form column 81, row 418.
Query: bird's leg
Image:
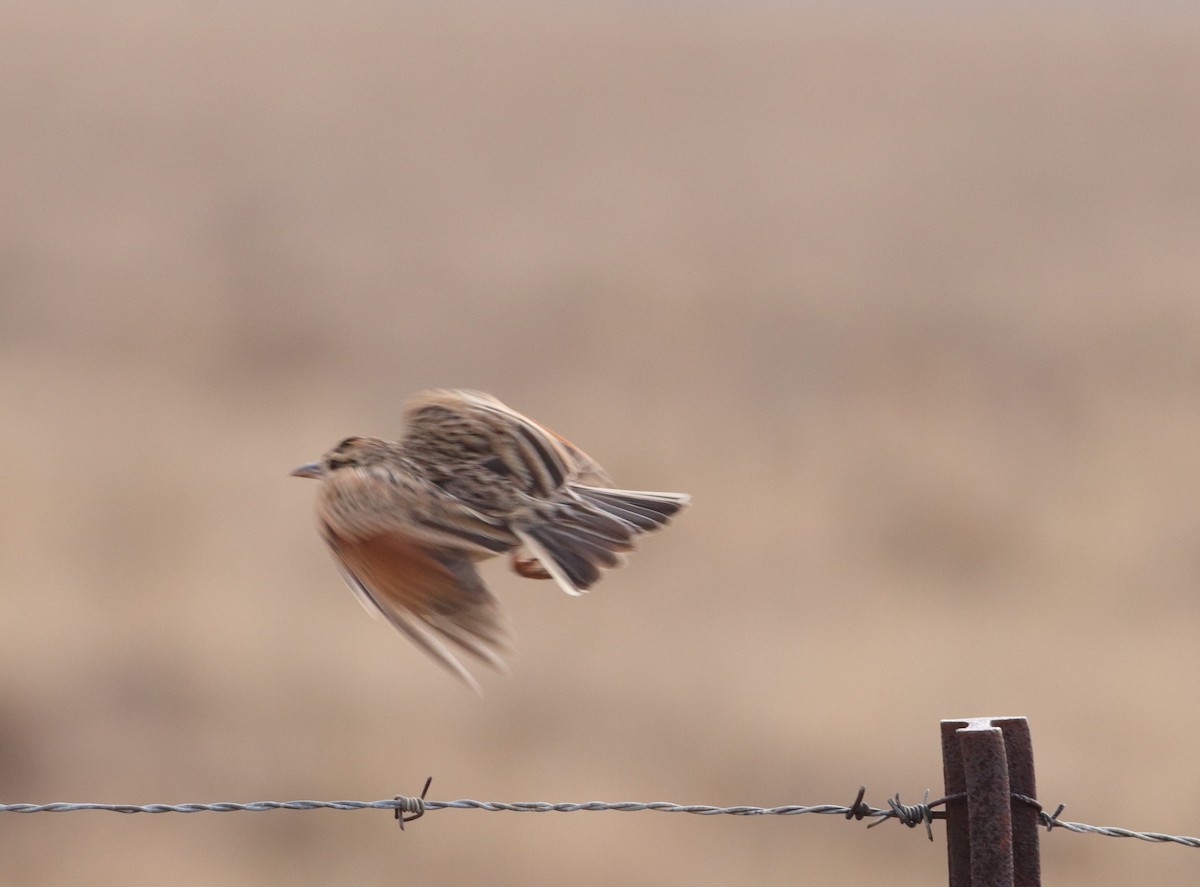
column 529, row 567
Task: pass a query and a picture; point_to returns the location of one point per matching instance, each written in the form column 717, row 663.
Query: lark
column 407, row 521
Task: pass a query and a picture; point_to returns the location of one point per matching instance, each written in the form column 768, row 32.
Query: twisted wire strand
column 633, row 807
column 414, row 805
column 910, row 815
column 1114, row 832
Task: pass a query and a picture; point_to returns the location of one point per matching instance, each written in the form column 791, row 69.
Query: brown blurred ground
column 905, row 297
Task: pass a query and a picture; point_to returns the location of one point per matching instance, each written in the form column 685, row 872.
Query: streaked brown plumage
column 470, row 479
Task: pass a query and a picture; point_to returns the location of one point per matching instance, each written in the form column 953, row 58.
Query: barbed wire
column 406, row 809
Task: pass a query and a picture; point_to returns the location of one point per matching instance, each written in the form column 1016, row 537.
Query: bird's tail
column 592, row 530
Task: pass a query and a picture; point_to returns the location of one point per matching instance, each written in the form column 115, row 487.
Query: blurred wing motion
column 431, row 595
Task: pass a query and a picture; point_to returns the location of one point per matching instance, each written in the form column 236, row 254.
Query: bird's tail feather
column 575, row 543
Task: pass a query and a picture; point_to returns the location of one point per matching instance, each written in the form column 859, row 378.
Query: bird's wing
column 430, row 594
column 541, row 460
column 549, row 494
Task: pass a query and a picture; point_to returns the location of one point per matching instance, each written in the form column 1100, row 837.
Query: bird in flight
column 471, row 478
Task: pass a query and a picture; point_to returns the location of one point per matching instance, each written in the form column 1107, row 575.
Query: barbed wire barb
column 413, row 807
column 1050, row 820
column 910, row 815
column 858, row 810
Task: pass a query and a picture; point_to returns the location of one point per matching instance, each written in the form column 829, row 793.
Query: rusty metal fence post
column 991, row 837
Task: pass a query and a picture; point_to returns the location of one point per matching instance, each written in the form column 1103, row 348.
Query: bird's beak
column 311, row 469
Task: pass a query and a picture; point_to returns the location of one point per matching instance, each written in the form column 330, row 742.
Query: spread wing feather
column 431, row 595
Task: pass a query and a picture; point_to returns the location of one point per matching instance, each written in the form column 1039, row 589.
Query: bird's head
column 353, row 452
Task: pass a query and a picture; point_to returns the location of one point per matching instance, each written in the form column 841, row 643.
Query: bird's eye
column 340, row 461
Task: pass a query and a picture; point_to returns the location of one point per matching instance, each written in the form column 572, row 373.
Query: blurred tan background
column 904, row 295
